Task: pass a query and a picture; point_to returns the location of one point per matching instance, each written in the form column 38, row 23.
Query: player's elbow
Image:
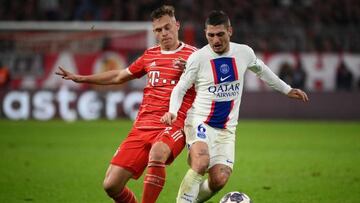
column 122, row 77
column 118, row 80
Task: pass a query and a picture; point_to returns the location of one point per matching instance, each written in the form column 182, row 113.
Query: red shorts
column 133, row 153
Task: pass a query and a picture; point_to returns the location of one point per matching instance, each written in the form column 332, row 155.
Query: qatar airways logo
column 225, row 90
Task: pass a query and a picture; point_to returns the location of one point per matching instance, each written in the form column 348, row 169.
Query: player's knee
column 217, row 182
column 219, row 178
column 111, row 188
column 200, row 165
column 199, row 157
column 159, row 152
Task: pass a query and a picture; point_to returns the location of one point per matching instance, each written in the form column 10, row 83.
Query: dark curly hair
column 217, row 17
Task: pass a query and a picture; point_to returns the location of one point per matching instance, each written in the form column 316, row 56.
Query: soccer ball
column 235, row 197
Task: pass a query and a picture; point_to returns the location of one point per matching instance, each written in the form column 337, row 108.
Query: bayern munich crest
column 224, row 68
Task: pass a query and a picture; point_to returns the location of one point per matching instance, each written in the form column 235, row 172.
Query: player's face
column 166, row 30
column 218, row 37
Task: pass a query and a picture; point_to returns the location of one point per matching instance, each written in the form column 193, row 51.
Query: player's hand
column 168, row 118
column 67, row 75
column 180, row 63
column 298, row 94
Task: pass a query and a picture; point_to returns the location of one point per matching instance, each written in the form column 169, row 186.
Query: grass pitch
column 276, row 161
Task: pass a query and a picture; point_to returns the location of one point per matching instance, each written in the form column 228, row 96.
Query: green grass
column 276, row 161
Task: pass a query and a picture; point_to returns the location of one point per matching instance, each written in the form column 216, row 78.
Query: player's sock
column 125, row 196
column 154, row 181
column 205, row 192
column 189, row 188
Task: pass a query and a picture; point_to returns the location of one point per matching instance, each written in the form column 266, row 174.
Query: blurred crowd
column 266, row 25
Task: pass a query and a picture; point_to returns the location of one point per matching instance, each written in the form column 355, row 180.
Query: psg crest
column 224, row 68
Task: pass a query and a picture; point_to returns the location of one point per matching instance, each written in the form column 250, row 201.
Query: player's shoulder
column 199, row 55
column 199, row 52
column 204, row 50
column 241, row 47
column 155, row 48
column 189, row 47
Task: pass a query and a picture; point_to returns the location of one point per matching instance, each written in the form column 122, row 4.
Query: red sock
column 153, row 182
column 125, row 196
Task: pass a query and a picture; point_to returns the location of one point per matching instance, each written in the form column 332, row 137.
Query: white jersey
column 219, row 81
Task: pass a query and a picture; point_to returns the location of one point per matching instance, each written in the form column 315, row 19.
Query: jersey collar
column 223, row 54
column 174, row 51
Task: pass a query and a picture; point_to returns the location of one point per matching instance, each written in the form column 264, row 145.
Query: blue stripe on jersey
column 225, row 70
column 219, row 114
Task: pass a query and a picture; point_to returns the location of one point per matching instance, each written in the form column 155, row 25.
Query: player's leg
column 219, row 174
column 114, row 184
column 205, row 192
column 154, row 179
column 129, row 161
column 199, row 161
column 165, row 149
column 221, row 164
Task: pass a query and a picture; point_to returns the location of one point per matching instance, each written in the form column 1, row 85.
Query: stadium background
column 311, row 44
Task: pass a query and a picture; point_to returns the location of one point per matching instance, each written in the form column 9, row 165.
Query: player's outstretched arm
column 106, row 78
column 298, row 94
column 168, row 118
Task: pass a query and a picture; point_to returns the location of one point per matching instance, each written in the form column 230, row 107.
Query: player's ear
column 178, row 25
column 230, row 31
column 206, row 26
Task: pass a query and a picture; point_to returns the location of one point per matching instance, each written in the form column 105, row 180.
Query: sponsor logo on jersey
column 224, row 78
column 154, row 77
column 224, row 70
column 224, row 90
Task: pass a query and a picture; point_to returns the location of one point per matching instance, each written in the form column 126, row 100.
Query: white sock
column 189, row 187
column 205, row 192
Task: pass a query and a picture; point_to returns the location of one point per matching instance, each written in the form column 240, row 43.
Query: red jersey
column 162, row 76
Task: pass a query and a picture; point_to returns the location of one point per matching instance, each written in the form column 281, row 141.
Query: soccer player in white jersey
column 217, row 71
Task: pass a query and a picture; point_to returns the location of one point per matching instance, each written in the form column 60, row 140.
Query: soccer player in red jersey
column 150, row 143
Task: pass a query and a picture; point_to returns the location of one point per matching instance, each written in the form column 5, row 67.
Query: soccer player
column 150, row 143
column 217, row 70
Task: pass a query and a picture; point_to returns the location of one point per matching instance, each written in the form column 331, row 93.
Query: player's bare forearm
column 105, row 78
column 298, row 94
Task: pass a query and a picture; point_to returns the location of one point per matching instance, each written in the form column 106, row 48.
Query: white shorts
column 221, row 142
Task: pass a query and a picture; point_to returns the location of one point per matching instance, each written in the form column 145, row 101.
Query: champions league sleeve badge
column 201, row 131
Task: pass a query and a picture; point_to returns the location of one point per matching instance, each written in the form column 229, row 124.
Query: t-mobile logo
column 154, row 77
column 155, row 80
